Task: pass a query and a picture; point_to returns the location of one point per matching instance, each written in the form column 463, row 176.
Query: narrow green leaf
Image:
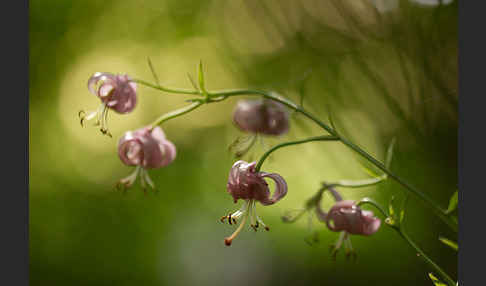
column 391, row 210
column 404, row 205
column 436, row 281
column 389, row 153
column 154, row 74
column 453, row 203
column 192, row 81
column 201, row 77
column 331, row 120
column 449, row 243
column 402, row 215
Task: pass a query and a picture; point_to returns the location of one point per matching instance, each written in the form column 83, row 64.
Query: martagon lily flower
column 247, row 184
column 258, row 117
column 116, row 92
column 348, row 218
column 145, row 148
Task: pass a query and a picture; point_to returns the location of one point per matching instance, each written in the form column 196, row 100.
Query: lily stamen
column 229, row 239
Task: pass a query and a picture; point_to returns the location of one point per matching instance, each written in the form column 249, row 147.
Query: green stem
column 176, row 113
column 360, row 183
column 318, row 138
column 221, row 95
column 373, row 203
column 429, row 261
column 399, row 229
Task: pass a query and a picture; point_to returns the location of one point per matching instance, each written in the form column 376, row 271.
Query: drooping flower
column 245, row 183
column 348, row 218
column 116, row 92
column 258, row 117
column 145, row 148
column 261, row 116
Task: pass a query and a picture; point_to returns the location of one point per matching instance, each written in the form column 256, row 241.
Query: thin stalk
column 399, row 229
column 176, row 113
column 429, row 261
column 360, row 183
column 373, row 203
column 318, row 138
column 167, row 89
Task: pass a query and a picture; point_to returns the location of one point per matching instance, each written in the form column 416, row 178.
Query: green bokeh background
column 382, row 73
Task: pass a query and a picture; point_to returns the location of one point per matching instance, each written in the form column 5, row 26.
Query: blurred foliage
column 383, row 69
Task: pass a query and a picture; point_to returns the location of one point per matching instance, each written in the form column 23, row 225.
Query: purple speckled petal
column 125, row 96
column 280, row 188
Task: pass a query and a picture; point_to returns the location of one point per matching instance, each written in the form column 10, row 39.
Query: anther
column 81, row 115
column 229, row 219
column 227, row 241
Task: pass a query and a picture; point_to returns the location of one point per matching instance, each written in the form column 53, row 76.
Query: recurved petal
column 158, row 151
column 372, row 223
column 158, row 134
column 130, row 149
column 280, row 188
column 169, row 153
column 95, row 78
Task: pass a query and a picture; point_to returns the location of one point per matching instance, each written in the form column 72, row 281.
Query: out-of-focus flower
column 348, row 218
column 261, row 116
column 116, row 92
column 145, row 148
column 247, row 184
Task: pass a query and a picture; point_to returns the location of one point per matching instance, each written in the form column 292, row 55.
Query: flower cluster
column 148, row 148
